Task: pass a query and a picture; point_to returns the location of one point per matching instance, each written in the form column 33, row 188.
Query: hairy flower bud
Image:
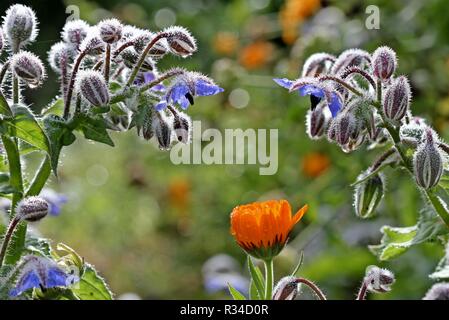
column 1, row 41
column 93, row 87
column 130, row 58
column 19, row 26
column 180, row 41
column 397, row 99
column 32, row 209
column 182, row 125
column 163, row 128
column 317, row 64
column 60, row 53
column 428, row 162
column 92, row 45
column 317, row 122
column 286, row 289
column 343, row 128
column 74, row 32
column 412, row 133
column 384, row 63
column 28, row 67
column 110, row 30
column 157, row 51
column 439, row 291
column 368, row 194
column 350, row 58
column 379, row 280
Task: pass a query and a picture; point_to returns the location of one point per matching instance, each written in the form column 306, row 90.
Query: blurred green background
column 149, row 225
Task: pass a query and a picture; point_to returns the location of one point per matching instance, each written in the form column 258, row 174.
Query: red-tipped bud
column 397, row 99
column 28, row 67
column 384, row 63
column 93, row 88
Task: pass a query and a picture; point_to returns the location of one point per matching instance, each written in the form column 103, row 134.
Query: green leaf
column 4, row 107
column 56, row 107
column 441, row 274
column 24, row 126
column 91, row 286
column 235, row 293
column 5, row 186
column 253, row 293
column 256, row 277
column 94, row 128
column 38, row 246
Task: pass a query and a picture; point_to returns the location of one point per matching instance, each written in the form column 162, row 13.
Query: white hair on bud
column 75, row 31
column 58, row 52
column 32, row 209
column 28, row 67
column 19, row 26
column 349, row 58
column 110, row 30
column 384, row 62
column 92, row 86
column 180, row 41
column 317, row 63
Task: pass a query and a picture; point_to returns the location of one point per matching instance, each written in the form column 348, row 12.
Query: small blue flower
column 55, row 201
column 40, row 272
column 186, row 88
column 316, row 92
column 150, row 76
column 219, row 282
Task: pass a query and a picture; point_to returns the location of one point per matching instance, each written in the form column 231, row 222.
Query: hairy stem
column 341, row 82
column 5, row 68
column 15, row 89
column 313, row 287
column 362, row 292
column 107, row 62
column 72, row 84
column 7, row 239
column 164, row 76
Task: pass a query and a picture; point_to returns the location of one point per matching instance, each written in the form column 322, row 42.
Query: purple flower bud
column 379, row 280
column 286, row 289
column 143, row 39
column 428, row 162
column 130, row 58
column 162, row 128
column 28, row 67
column 32, row 209
column 342, row 128
column 129, row 32
column 317, row 64
column 93, row 88
column 1, row 41
column 367, row 195
column 397, row 99
column 350, row 58
column 180, row 41
column 60, row 53
column 92, row 45
column 182, row 125
column 110, row 30
column 74, row 32
column 384, row 63
column 19, row 26
column 317, row 122
column 439, row 291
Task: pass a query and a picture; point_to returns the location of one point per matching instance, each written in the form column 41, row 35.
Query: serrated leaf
column 24, row 126
column 92, row 286
column 256, row 277
column 94, row 128
column 235, row 293
column 38, row 246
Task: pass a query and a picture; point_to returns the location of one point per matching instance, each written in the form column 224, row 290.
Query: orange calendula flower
column 315, row 164
column 256, row 54
column 263, row 228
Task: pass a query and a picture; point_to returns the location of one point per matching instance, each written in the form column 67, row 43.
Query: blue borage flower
column 186, row 87
column 316, row 90
column 55, row 201
column 40, row 272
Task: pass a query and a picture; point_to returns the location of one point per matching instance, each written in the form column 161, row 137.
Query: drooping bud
column 163, row 128
column 74, row 32
column 180, row 41
column 28, row 67
column 350, row 58
column 342, row 128
column 317, row 122
column 397, row 99
column 379, row 280
column 182, row 125
column 92, row 45
column 59, row 53
column 157, row 51
column 110, row 30
column 93, row 87
column 368, row 194
column 32, row 209
column 412, row 133
column 286, row 289
column 428, row 162
column 19, row 26
column 129, row 32
column 317, row 64
column 130, row 58
column 439, row 291
column 384, row 63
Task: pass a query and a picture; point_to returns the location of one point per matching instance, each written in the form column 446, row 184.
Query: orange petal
column 298, row 215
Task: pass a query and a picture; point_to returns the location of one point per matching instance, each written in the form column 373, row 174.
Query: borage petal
column 285, row 83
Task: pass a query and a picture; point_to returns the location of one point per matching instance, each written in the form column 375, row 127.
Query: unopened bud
column 60, row 53
column 92, row 45
column 379, row 280
column 28, row 67
column 368, row 194
column 110, row 30
column 182, row 125
column 74, row 32
column 93, row 87
column 131, row 57
column 439, row 291
column 180, row 41
column 343, row 128
column 350, row 58
column 317, row 122
column 397, row 99
column 19, row 26
column 286, row 289
column 317, row 64
column 157, row 51
column 412, row 133
column 384, row 63
column 162, row 128
column 32, row 209
column 428, row 162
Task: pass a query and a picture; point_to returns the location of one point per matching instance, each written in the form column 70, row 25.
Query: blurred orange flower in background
column 179, row 193
column 263, row 228
column 256, row 54
column 315, row 164
column 225, row 43
column 292, row 14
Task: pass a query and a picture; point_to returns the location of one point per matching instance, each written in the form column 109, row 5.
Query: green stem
column 15, row 89
column 40, row 178
column 268, row 279
column 7, row 239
